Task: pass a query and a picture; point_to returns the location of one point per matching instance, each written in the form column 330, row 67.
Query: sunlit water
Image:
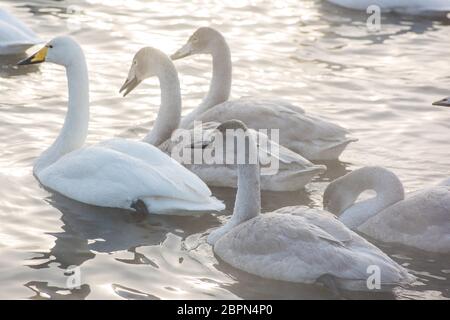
column 322, row 58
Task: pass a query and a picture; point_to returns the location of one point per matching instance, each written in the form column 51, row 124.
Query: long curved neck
column 388, row 188
column 74, row 131
column 248, row 199
column 220, row 86
column 169, row 114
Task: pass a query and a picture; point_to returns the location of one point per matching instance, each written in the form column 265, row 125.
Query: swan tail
column 331, row 150
column 177, row 207
column 290, row 180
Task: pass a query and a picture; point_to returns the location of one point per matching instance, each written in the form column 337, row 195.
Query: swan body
column 294, row 170
column 421, row 220
column 297, row 244
column 401, row 6
column 310, row 136
column 114, row 173
column 15, row 36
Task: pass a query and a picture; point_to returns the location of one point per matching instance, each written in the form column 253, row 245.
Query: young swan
column 296, row 244
column 116, row 173
column 292, row 171
column 310, row 136
column 422, row 220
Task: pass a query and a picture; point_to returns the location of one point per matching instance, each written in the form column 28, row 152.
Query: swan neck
column 169, row 114
column 389, row 190
column 220, row 86
column 248, row 198
column 74, row 131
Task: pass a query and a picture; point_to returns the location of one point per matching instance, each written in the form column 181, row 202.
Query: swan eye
column 50, row 46
column 195, row 39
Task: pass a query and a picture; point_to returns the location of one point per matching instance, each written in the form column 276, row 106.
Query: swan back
column 422, row 221
column 301, row 246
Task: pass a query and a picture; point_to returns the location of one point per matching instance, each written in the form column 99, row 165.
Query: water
column 322, row 58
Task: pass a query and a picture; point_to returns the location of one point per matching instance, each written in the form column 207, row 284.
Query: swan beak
column 129, row 85
column 38, row 57
column 185, row 51
column 443, row 103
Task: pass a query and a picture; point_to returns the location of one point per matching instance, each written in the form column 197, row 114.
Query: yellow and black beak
column 38, row 57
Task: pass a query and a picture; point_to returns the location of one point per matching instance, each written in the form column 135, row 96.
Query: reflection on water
column 379, row 85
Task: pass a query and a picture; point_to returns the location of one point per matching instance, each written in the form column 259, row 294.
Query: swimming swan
column 115, row 173
column 312, row 137
column 296, row 244
column 421, row 220
column 15, row 36
column 292, row 173
column 400, row 6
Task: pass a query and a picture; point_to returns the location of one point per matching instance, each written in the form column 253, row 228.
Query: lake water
column 379, row 85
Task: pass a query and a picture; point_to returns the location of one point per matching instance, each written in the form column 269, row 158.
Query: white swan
column 296, row 244
column 15, row 36
column 294, row 171
column 400, row 6
column 312, row 137
column 115, row 173
column 422, row 220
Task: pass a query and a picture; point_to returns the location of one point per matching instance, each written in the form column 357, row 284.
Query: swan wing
column 307, row 135
column 106, row 175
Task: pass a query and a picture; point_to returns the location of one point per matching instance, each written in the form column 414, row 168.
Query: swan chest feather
column 293, row 245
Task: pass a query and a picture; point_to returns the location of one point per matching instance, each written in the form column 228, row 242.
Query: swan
column 421, row 220
column 293, row 173
column 114, row 173
column 443, row 103
column 15, row 36
column 400, row 6
column 310, row 136
column 296, row 244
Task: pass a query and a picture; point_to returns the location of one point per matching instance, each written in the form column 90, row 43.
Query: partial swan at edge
column 15, row 36
column 421, row 220
column 399, row 6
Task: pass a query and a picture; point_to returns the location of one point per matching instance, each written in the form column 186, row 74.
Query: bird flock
column 296, row 244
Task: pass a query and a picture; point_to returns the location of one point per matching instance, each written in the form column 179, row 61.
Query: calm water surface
column 322, row 58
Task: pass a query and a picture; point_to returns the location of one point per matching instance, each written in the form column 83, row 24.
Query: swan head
column 202, row 41
column 335, row 198
column 341, row 194
column 62, row 50
column 443, row 103
column 146, row 64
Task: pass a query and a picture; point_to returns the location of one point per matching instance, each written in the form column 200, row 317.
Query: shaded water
column 322, row 58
